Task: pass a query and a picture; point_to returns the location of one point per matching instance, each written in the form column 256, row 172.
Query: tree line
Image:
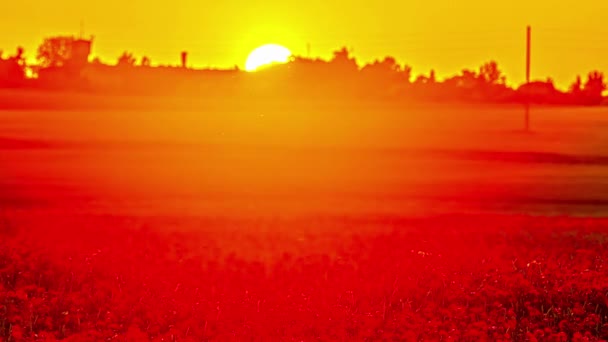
column 340, row 75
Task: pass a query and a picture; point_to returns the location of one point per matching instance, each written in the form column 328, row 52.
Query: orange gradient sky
column 569, row 38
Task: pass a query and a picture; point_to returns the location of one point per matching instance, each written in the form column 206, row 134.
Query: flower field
column 447, row 278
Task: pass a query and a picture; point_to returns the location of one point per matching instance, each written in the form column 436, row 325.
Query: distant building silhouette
column 184, row 59
column 62, row 61
column 81, row 51
column 540, row 92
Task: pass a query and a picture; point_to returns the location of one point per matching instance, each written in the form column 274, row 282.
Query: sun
column 266, row 55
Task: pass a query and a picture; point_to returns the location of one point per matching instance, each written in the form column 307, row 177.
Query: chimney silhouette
column 184, row 59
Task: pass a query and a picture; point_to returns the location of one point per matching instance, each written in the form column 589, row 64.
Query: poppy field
column 442, row 278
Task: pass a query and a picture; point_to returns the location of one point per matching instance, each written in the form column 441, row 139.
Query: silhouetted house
column 161, row 80
column 540, row 92
column 81, row 51
column 69, row 75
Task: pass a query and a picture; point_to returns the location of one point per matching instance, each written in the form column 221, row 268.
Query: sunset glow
column 266, row 55
column 436, row 35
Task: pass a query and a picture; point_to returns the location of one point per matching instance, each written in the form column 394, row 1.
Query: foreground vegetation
column 446, row 278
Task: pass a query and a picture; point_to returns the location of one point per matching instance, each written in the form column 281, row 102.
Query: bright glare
column 265, row 55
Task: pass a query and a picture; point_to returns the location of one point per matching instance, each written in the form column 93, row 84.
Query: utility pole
column 308, row 50
column 527, row 95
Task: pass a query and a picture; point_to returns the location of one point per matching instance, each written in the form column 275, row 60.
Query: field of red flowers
column 446, row 278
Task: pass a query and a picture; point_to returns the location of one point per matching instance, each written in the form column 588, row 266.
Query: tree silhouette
column 407, row 73
column 145, row 61
column 388, row 70
column 423, row 79
column 490, row 73
column 576, row 87
column 343, row 61
column 55, row 51
column 12, row 70
column 594, row 87
column 19, row 56
column 468, row 79
column 390, row 64
column 342, row 54
column 575, row 90
column 432, row 77
column 126, row 59
column 382, row 78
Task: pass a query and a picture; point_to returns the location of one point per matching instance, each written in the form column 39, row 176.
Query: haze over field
column 273, row 161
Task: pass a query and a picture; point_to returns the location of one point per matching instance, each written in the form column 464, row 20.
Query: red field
column 446, row 278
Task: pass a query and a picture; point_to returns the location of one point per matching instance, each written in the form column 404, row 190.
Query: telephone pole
column 527, row 95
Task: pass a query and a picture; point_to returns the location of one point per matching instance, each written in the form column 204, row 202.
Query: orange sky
column 568, row 37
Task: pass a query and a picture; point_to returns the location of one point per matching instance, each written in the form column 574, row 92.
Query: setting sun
column 266, row 55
